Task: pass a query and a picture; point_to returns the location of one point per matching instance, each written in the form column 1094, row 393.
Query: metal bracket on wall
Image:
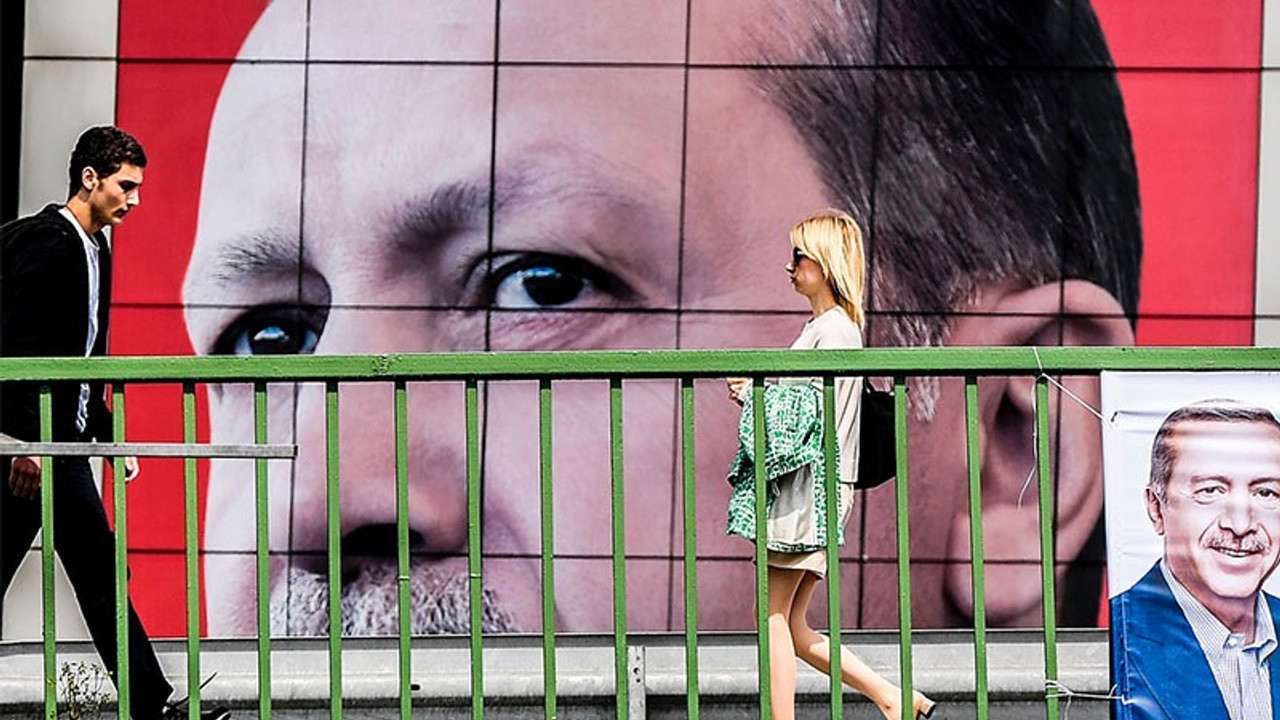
column 13, row 446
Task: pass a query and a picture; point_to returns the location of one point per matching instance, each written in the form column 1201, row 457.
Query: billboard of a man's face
column 396, row 206
column 381, row 205
column 475, row 176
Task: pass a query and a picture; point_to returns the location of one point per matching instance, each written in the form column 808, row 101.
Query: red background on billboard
column 152, row 253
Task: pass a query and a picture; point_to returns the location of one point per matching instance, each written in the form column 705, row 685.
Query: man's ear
column 1072, row 312
column 1154, row 511
column 88, row 179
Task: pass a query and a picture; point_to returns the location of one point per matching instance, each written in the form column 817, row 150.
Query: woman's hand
column 738, row 388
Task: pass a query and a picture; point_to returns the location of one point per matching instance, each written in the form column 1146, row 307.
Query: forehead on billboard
column 637, row 31
column 333, row 161
column 976, row 165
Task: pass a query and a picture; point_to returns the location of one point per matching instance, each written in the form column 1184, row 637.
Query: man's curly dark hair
column 104, row 148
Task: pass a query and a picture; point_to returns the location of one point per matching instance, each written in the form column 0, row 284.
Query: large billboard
column 329, row 177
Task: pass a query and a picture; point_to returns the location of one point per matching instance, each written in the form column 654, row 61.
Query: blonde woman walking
column 828, row 268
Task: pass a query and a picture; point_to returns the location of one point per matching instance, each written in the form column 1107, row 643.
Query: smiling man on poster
column 1194, row 638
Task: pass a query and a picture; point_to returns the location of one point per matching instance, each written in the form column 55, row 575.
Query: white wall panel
column 72, row 28
column 1267, row 303
column 61, row 98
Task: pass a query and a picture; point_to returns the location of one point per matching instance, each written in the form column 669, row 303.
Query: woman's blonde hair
column 833, row 239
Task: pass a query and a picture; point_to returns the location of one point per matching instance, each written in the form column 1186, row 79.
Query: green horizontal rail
column 639, row 364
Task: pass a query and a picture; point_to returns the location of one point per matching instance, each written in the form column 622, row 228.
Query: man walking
column 55, row 298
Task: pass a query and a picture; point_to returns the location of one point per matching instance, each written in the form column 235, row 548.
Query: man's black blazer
column 44, row 312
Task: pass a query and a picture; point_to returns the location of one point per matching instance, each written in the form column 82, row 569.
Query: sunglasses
column 796, row 256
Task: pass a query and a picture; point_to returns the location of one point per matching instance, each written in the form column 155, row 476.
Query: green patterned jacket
column 793, row 439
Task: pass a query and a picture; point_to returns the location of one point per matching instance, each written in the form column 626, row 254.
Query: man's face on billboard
column 389, row 251
column 1221, row 515
column 346, row 209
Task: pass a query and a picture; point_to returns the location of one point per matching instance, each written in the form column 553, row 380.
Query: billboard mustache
column 438, row 603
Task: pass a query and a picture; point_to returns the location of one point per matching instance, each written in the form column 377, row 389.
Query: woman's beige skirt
column 814, row 562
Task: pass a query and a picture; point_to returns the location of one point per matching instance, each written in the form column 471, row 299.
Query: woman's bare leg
column 782, row 654
column 815, row 648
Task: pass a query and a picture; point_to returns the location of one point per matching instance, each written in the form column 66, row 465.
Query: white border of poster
column 1134, row 405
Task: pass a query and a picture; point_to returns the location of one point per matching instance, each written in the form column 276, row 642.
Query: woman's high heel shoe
column 922, row 707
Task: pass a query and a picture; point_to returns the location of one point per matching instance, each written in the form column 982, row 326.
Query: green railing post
column 333, row 500
column 402, row 548
column 48, row 597
column 1048, row 556
column 977, row 557
column 833, row 489
column 617, row 496
column 761, row 550
column 192, row 548
column 546, row 512
column 122, row 558
column 475, row 580
column 901, row 485
column 262, row 551
column 689, row 479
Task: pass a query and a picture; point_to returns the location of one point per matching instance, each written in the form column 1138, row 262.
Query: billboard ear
column 1154, row 511
column 1073, row 312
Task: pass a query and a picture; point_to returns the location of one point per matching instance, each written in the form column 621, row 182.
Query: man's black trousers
column 86, row 545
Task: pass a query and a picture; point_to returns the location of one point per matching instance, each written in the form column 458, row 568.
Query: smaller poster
column 1192, row 482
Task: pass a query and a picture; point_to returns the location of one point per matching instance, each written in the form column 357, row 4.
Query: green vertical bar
column 762, row 555
column 1047, row 554
column 901, row 484
column 48, row 609
column 402, row 546
column 333, row 502
column 191, row 522
column 690, row 477
column 829, row 454
column 977, row 556
column 122, row 557
column 623, row 691
column 475, row 580
column 547, row 511
column 263, row 551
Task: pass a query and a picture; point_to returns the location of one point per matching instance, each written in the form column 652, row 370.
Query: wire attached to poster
column 1035, row 428
column 1055, row 689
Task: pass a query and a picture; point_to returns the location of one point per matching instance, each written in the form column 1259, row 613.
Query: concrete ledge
column 441, row 670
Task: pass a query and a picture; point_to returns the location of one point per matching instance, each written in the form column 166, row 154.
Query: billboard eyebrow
column 248, row 257
column 447, row 209
column 460, row 205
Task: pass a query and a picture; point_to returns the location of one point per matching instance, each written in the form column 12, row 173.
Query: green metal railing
column 547, row 369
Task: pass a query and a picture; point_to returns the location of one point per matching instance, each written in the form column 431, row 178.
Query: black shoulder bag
column 878, row 446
